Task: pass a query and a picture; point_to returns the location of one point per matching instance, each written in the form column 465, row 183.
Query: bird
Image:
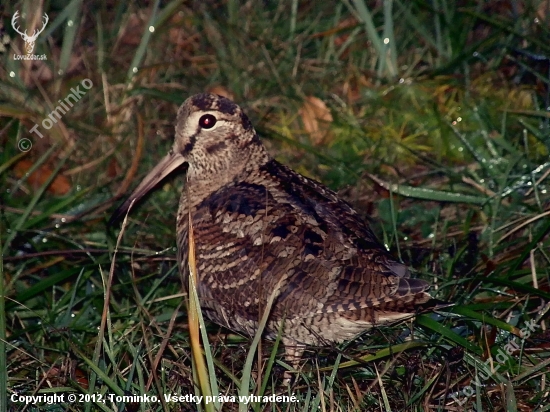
column 262, row 230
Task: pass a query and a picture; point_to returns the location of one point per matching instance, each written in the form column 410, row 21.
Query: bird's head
column 214, row 138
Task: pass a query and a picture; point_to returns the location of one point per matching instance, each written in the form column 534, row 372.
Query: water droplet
column 57, row 225
column 386, row 40
column 431, row 236
column 78, row 188
column 8, row 190
column 60, row 72
column 135, row 70
column 461, row 149
column 44, row 240
column 536, row 20
column 475, row 54
column 152, row 29
column 72, row 315
column 12, row 74
column 481, row 180
column 70, row 23
column 401, row 80
column 459, row 119
column 63, row 220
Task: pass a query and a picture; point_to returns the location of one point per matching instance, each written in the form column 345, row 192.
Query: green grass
column 440, row 137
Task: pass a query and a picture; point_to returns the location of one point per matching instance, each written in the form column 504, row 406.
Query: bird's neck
column 205, row 178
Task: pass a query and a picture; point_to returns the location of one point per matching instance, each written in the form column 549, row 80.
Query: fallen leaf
column 60, row 185
column 316, row 118
column 222, row 91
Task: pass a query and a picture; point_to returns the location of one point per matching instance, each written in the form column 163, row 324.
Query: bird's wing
column 251, row 237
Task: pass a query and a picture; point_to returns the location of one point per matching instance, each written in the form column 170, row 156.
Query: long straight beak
column 167, row 165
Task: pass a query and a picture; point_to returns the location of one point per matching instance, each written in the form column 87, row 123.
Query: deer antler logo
column 29, row 40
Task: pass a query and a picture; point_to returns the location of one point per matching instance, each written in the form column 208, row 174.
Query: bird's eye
column 207, row 121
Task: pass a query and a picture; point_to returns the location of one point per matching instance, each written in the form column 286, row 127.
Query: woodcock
column 261, row 228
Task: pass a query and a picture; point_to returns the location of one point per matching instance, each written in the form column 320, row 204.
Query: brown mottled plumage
column 259, row 224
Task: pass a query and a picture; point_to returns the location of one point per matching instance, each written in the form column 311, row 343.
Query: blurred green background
column 432, row 118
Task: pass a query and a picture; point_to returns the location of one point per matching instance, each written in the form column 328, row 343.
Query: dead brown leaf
column 316, row 118
column 222, row 91
column 60, row 185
